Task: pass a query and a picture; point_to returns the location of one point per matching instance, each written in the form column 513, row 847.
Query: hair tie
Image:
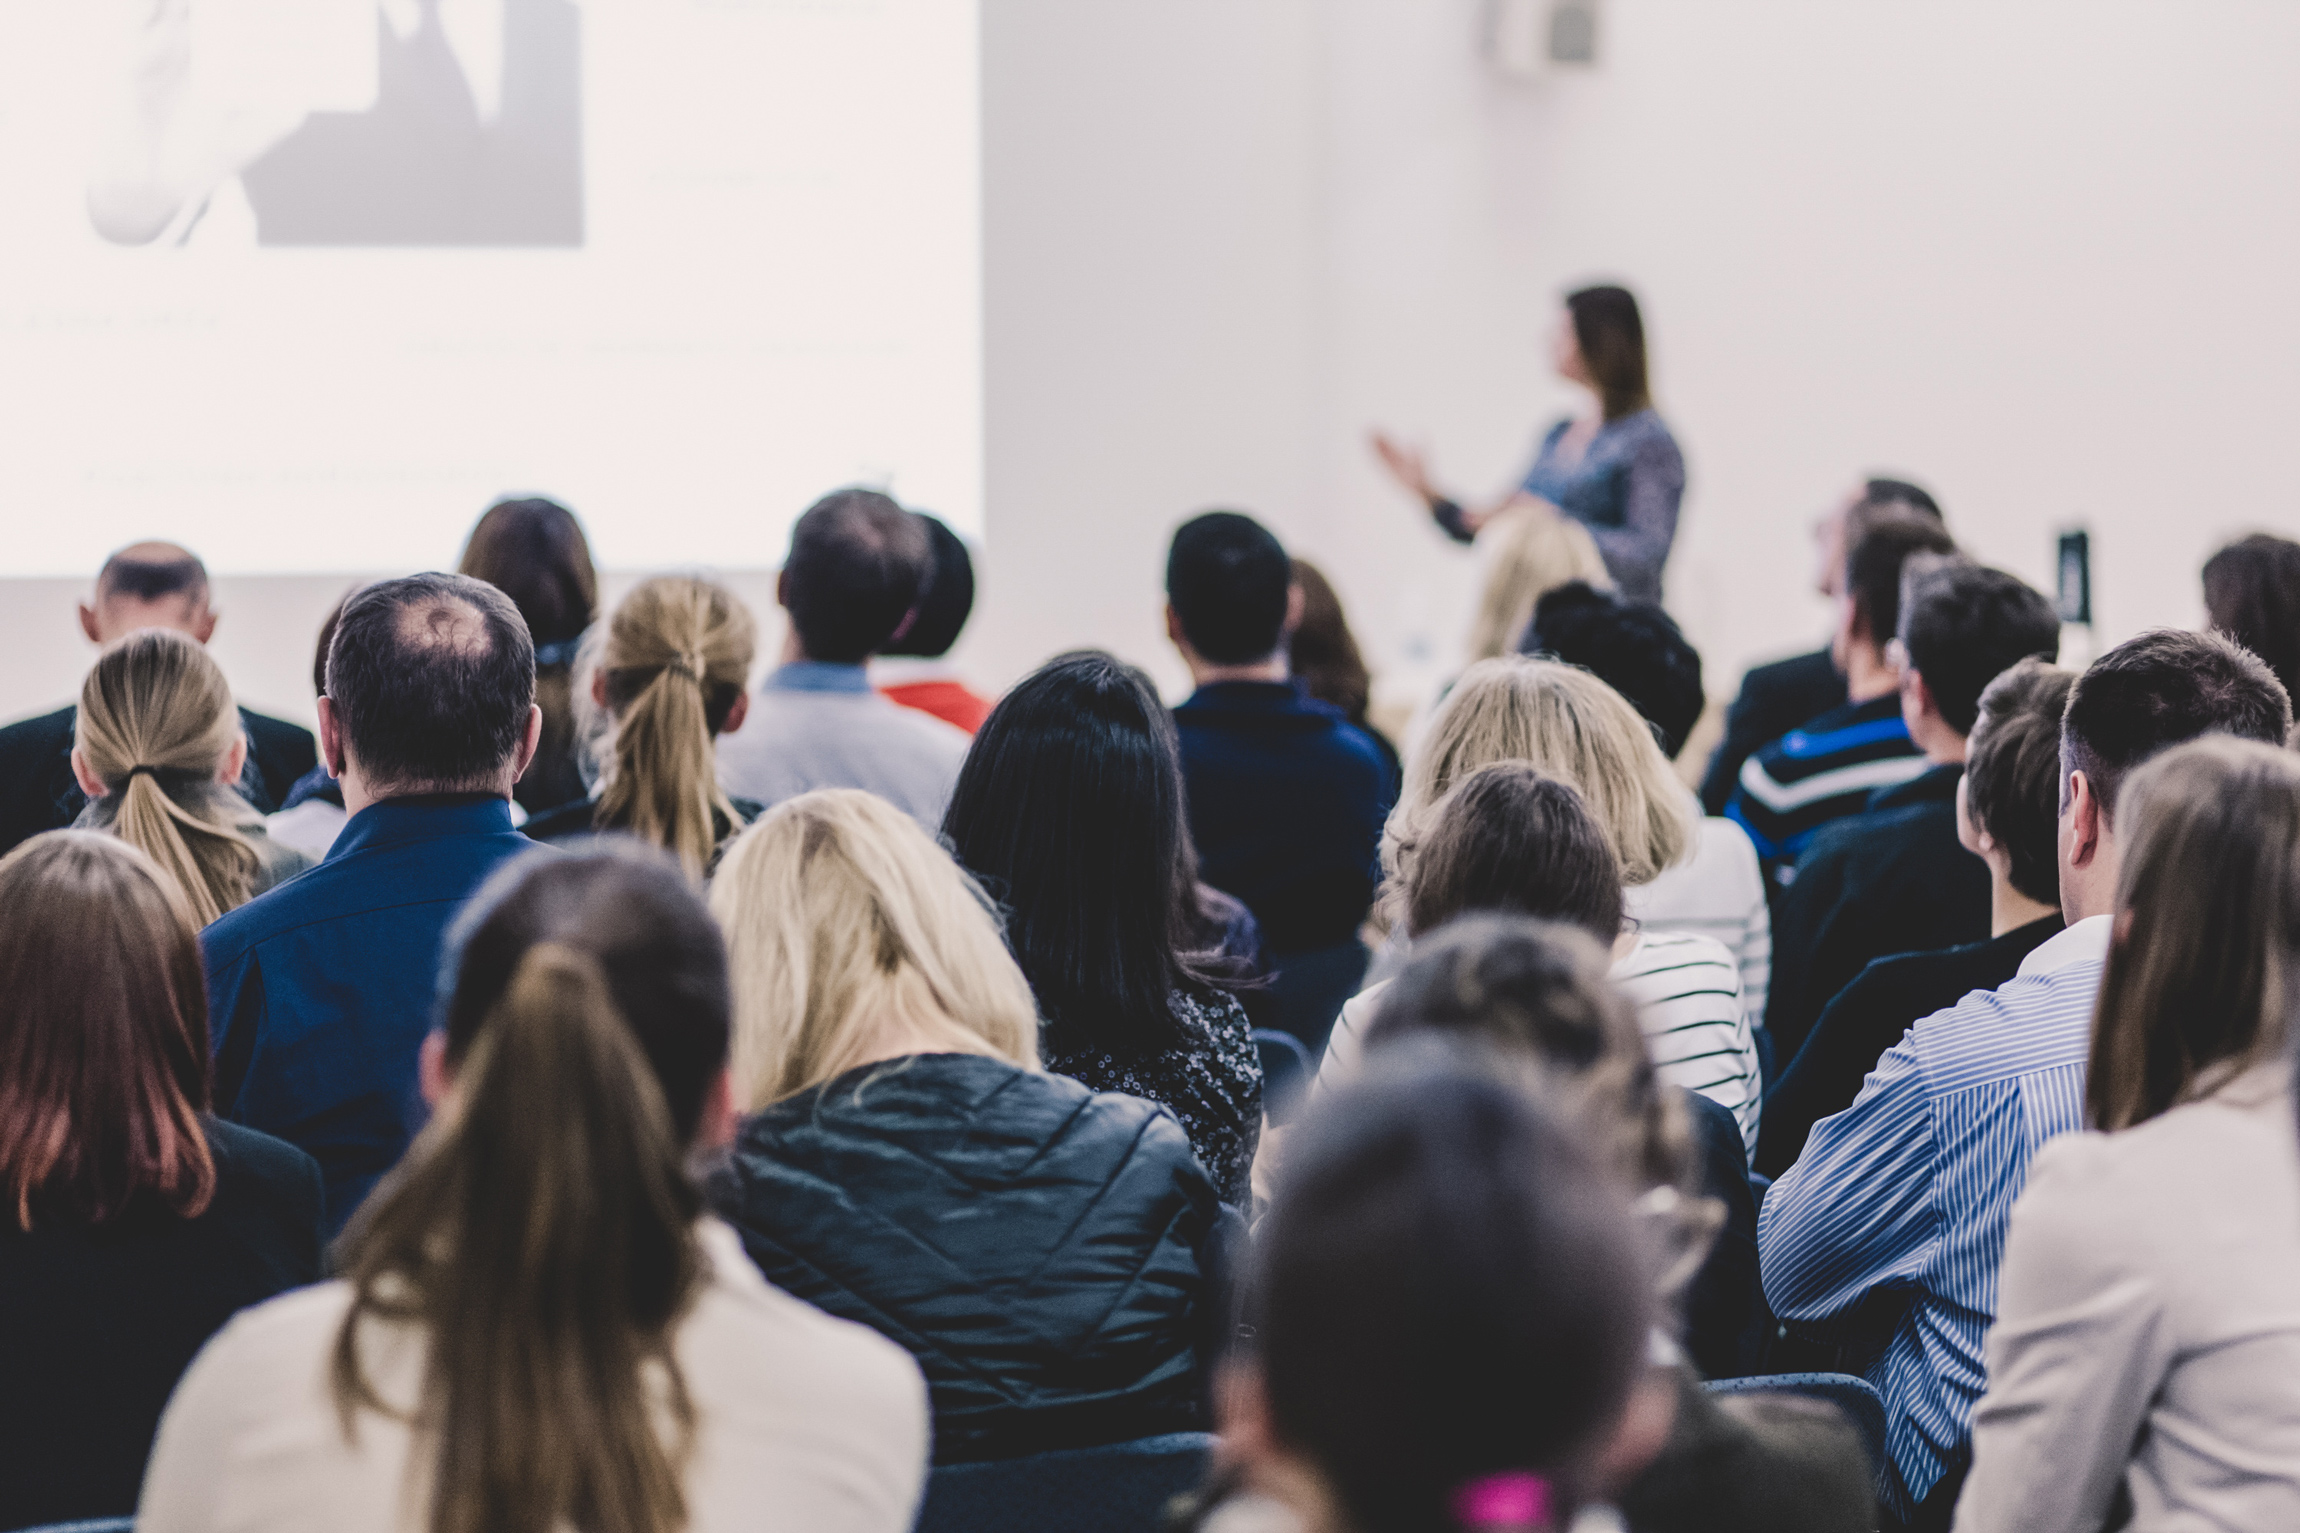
column 689, row 666
column 141, row 769
column 1513, row 1498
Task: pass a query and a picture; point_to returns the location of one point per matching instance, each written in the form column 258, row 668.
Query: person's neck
column 1868, row 676
column 2010, row 910
column 1942, row 745
column 358, row 793
column 1204, row 674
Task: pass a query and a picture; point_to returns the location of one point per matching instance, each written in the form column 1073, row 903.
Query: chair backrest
column 1287, row 1070
column 1853, row 1395
column 1122, row 1488
column 99, row 1525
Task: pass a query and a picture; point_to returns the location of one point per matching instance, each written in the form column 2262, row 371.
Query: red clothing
column 953, row 702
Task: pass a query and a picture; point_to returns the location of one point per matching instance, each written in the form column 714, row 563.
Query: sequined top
column 1214, row 1086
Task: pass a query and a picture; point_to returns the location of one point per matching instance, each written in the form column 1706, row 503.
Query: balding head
column 149, row 585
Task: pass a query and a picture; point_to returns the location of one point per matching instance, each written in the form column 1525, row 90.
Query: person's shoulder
column 2030, row 1024
column 742, row 1313
column 261, row 1157
column 265, row 1345
column 577, row 819
column 42, row 732
column 1669, row 952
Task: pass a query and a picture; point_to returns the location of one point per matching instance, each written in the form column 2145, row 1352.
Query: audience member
column 1286, row 796
column 1538, row 992
column 135, row 1223
column 1039, row 1246
column 2008, row 811
column 1526, row 555
column 2252, row 594
column 146, row 585
column 537, row 1328
column 850, row 586
column 320, row 989
column 1897, row 878
column 311, row 816
column 534, row 552
column 1323, row 655
column 1885, row 1236
column 671, row 675
column 1778, row 697
column 912, row 668
column 1828, row 767
column 158, row 748
column 1069, row 811
column 1574, row 727
column 1719, row 890
column 1419, row 1357
column 2146, row 1355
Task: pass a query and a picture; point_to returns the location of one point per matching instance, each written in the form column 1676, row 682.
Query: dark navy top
column 320, row 992
column 1626, row 489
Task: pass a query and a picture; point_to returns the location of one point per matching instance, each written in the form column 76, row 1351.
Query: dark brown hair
column 1323, row 653
column 534, row 552
column 2207, row 916
column 1873, row 569
column 2252, row 591
column 541, row 1231
column 103, row 1036
column 1511, row 837
column 852, row 580
column 1611, row 334
column 2012, row 772
column 2154, row 692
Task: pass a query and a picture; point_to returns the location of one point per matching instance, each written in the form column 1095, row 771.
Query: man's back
column 1287, row 801
column 1821, row 771
column 1773, row 700
column 814, row 725
column 321, row 991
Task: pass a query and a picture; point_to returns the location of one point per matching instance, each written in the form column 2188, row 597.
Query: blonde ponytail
column 156, row 720
column 677, row 656
column 542, row 1233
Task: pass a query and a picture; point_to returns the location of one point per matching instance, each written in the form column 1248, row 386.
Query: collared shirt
column 817, row 725
column 1821, row 772
column 1890, row 1227
column 320, row 992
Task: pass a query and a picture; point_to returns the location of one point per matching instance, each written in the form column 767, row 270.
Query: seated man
column 321, row 991
column 2008, row 809
column 1776, row 698
column 911, row 668
column 850, row 585
column 1287, row 797
column 146, row 585
column 1884, row 1238
column 1826, row 768
column 1897, row 879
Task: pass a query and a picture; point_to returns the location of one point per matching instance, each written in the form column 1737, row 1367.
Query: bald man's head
column 149, row 585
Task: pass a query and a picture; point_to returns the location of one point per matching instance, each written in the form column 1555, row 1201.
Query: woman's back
column 1211, row 1083
column 1037, row 1246
column 803, row 1422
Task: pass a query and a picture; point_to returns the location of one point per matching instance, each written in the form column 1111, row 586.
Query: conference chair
column 1853, row 1395
column 1287, row 1070
column 1122, row 1488
column 99, row 1525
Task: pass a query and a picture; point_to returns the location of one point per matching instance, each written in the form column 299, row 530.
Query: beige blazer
column 2148, row 1328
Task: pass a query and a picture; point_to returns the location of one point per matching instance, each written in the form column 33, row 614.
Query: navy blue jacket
column 1287, row 800
column 320, row 992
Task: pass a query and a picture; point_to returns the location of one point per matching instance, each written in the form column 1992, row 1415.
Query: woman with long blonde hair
column 670, row 675
column 1038, row 1245
column 157, row 747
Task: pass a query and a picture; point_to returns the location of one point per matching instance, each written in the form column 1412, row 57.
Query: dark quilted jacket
column 1040, row 1248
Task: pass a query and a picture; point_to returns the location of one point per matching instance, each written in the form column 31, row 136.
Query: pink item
column 1514, row 1498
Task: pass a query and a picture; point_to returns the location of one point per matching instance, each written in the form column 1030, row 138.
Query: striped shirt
column 1821, row 772
column 1688, row 998
column 1901, row 1201
column 1719, row 891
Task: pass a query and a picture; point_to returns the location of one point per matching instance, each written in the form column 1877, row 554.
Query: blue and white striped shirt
column 1889, row 1229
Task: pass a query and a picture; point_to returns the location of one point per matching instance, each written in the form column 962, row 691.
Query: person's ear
column 739, row 712
column 599, row 687
column 1173, row 628
column 89, row 782
column 431, row 1072
column 1295, row 602
column 529, row 743
column 716, row 1130
column 782, row 589
column 235, row 761
column 90, row 626
column 331, row 747
column 2085, row 821
column 203, row 624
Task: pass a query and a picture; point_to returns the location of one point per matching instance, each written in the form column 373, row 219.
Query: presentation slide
column 305, row 284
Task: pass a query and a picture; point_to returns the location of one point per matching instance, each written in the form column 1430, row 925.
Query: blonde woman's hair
column 1528, row 553
column 156, row 721
column 676, row 657
column 1572, row 726
column 847, row 927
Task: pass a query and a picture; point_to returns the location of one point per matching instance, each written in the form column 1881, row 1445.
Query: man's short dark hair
column 1228, row 579
column 946, row 602
column 431, row 678
column 1873, row 569
column 2012, row 772
column 856, row 567
column 2158, row 690
column 1963, row 624
column 150, row 580
column 1881, row 494
column 1633, row 647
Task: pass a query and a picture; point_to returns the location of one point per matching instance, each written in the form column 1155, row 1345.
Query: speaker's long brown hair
column 2207, row 912
column 541, row 1232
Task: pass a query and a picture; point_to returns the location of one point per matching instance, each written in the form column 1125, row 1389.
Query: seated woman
column 2147, row 1337
column 157, row 748
column 1039, row 1246
column 537, row 1327
column 671, row 676
column 133, row 1223
column 1069, row 810
column 1687, row 988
